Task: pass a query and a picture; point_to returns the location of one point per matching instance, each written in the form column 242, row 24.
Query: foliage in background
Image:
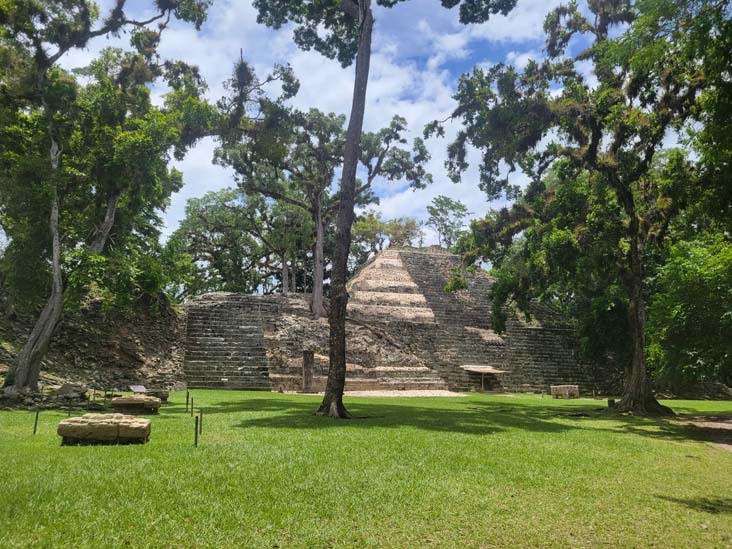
column 690, row 321
column 371, row 235
column 447, row 218
column 238, row 241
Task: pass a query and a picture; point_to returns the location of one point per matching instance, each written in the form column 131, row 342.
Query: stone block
column 159, row 393
column 565, row 391
column 136, row 404
column 104, row 429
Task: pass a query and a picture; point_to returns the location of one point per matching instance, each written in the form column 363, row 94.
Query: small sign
column 138, row 389
column 224, row 379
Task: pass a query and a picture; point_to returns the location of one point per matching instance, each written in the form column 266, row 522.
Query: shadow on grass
column 468, row 417
column 715, row 506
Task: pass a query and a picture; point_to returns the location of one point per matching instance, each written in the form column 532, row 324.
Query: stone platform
column 104, row 429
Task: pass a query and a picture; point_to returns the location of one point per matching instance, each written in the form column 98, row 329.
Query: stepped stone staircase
column 449, row 330
column 225, row 344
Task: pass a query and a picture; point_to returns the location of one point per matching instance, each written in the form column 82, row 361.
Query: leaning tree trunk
column 332, row 404
column 638, row 396
column 316, row 305
column 27, row 367
column 102, row 232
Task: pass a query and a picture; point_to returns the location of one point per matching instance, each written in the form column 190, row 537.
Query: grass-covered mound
column 474, row 471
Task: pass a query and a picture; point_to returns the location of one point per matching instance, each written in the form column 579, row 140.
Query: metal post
column 187, row 397
column 200, row 421
column 195, row 433
column 191, row 406
column 35, row 423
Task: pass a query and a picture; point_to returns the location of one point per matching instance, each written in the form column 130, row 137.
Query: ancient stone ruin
column 104, row 429
column 405, row 331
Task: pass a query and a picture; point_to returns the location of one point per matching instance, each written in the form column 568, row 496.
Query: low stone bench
column 104, row 429
column 136, row 404
column 565, row 391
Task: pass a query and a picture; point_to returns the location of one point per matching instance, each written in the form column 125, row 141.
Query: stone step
column 385, row 275
column 224, row 325
column 393, row 299
column 243, row 386
column 294, row 383
column 413, row 314
column 232, row 338
column 229, row 377
column 227, row 345
column 242, row 324
column 399, row 286
column 216, row 340
column 235, row 363
column 219, row 352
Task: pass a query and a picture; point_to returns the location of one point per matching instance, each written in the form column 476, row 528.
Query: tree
column 447, row 217
column 39, row 35
column 306, row 160
column 239, row 241
column 283, row 230
column 214, row 233
column 371, row 235
column 343, row 29
column 604, row 138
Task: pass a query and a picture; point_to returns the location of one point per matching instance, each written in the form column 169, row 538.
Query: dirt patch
column 714, row 429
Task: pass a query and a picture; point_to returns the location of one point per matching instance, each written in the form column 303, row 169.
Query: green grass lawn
column 479, row 471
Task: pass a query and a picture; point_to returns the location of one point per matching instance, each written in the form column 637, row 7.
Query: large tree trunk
column 293, row 281
column 332, row 404
column 638, row 396
column 285, row 275
column 316, row 305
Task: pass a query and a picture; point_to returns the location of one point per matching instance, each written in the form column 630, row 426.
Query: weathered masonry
column 404, row 332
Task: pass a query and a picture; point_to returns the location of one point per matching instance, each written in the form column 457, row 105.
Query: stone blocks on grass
column 136, row 404
column 104, row 429
column 565, row 391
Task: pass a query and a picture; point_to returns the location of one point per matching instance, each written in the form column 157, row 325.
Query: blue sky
column 419, row 52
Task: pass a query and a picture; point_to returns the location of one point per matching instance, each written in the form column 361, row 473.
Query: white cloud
column 521, row 59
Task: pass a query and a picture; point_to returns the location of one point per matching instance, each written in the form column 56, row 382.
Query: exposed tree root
column 334, row 409
column 647, row 406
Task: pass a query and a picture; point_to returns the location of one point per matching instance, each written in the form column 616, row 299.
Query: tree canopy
column 601, row 196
